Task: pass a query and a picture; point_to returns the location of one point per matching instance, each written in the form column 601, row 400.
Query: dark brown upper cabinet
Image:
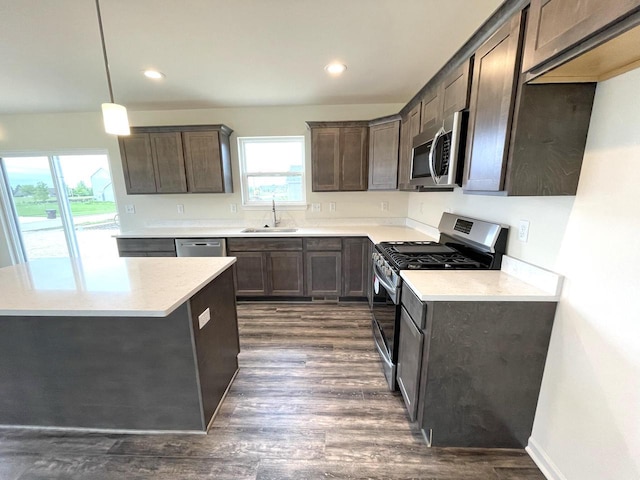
column 523, row 139
column 177, row 159
column 409, row 128
column 339, row 156
column 384, row 142
column 560, row 30
column 445, row 97
column 431, row 106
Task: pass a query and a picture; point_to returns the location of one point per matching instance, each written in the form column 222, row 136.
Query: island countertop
column 138, row 287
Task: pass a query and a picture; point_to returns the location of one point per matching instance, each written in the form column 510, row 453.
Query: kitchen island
column 130, row 344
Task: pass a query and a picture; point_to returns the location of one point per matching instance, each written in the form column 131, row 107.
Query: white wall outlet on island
column 315, row 207
column 384, row 206
column 523, row 231
column 204, row 318
column 180, row 208
column 332, row 206
column 131, row 209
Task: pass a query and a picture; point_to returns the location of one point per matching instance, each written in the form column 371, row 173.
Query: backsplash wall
column 547, row 218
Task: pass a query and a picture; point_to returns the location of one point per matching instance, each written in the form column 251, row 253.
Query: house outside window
column 272, row 168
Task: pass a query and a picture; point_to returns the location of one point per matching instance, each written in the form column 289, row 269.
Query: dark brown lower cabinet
column 251, row 273
column 146, row 247
column 268, row 267
column 285, row 273
column 356, row 260
column 324, row 273
column 409, row 362
column 480, row 367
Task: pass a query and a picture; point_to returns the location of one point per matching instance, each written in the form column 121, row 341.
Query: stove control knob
column 387, row 271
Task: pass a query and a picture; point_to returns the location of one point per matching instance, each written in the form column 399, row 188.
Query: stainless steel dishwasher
column 201, row 247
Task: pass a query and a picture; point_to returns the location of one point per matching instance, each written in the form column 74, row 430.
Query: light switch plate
column 130, row 209
column 180, row 208
column 204, row 318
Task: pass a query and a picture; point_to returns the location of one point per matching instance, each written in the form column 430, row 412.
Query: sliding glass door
column 59, row 206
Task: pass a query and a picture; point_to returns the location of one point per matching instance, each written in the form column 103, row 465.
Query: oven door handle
column 393, row 292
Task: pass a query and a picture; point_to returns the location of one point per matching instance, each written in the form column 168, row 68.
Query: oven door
column 385, row 324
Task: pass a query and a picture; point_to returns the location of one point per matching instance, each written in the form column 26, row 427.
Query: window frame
column 244, row 175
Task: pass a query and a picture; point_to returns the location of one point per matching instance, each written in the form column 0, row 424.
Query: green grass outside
column 30, row 209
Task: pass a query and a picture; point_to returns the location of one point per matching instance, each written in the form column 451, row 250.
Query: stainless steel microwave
column 438, row 154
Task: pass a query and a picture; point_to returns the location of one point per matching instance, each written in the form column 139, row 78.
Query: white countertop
column 473, row 285
column 377, row 234
column 139, row 287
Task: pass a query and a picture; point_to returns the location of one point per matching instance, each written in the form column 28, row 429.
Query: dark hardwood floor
column 310, row 402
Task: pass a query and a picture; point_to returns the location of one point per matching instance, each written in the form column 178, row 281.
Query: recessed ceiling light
column 154, row 74
column 335, row 68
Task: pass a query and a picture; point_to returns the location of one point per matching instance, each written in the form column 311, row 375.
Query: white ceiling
column 227, row 53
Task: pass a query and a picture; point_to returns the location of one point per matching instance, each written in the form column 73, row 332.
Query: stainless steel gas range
column 464, row 243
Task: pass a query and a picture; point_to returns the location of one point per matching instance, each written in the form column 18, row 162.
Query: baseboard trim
column 127, row 431
column 543, row 461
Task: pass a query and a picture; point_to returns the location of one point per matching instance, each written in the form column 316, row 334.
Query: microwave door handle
column 432, row 166
column 453, row 156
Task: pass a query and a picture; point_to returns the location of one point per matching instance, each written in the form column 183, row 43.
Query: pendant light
column 115, row 117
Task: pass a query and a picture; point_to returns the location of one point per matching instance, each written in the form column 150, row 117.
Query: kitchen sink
column 269, row 230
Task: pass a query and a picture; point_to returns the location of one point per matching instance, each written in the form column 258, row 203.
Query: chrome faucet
column 273, row 208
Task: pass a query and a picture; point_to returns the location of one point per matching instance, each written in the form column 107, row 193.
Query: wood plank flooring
column 310, row 402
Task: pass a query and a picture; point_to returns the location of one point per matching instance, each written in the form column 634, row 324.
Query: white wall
column 547, row 217
column 588, row 417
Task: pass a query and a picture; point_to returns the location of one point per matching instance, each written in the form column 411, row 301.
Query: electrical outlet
column 332, row 206
column 384, row 206
column 180, row 208
column 233, row 208
column 204, row 317
column 523, row 231
column 130, row 209
column 315, row 207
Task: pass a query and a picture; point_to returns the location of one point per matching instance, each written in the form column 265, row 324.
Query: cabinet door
column 410, row 128
column 355, row 267
column 325, row 158
column 353, row 164
column 324, row 273
column 384, row 143
column 168, row 162
column 251, row 273
column 146, row 247
column 456, row 90
column 409, row 362
column 557, row 25
column 137, row 163
column 492, row 98
column 286, row 274
column 203, row 162
column 431, row 109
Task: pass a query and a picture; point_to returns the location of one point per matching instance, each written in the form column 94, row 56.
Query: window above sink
column 272, row 168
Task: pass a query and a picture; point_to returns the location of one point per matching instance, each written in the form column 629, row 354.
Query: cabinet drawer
column 414, row 306
column 323, row 243
column 146, row 245
column 263, row 244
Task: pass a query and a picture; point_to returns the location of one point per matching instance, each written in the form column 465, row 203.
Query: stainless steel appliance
column 438, row 154
column 201, row 247
column 465, row 243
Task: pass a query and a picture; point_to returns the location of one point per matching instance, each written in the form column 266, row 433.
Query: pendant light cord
column 104, row 51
